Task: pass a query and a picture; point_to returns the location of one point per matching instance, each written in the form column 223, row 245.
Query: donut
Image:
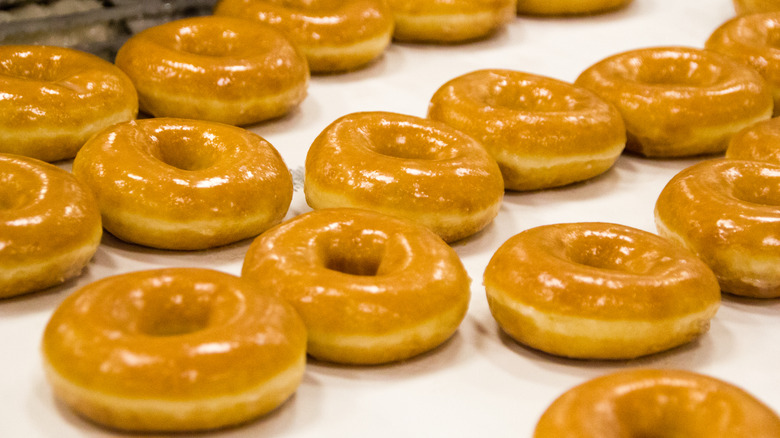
column 754, row 6
column 568, row 7
column 542, row 132
column 184, row 184
column 405, row 166
column 599, row 291
column 751, row 40
column 449, row 21
column 649, row 402
column 49, row 225
column 177, row 349
column 759, row 142
column 53, row 99
column 726, row 211
column 220, row 69
column 370, row 288
column 679, row 101
column 335, row 36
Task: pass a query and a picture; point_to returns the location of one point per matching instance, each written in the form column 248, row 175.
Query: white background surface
column 480, row 383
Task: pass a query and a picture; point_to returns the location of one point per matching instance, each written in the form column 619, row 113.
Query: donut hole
column 174, row 315
column 530, row 96
column 211, row 42
column 186, row 149
column 362, row 252
column 760, row 188
column 771, row 35
column 17, row 188
column 26, row 66
column 309, row 5
column 604, row 250
column 682, row 71
column 410, row 142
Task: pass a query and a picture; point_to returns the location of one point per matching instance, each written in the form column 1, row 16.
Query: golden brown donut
column 49, row 225
column 184, row 184
column 371, row 288
column 654, row 402
column 542, row 132
column 567, row 7
column 449, row 21
column 599, row 291
column 759, row 142
column 679, row 101
column 753, row 6
column 726, row 211
column 335, row 35
column 173, row 350
column 751, row 40
column 408, row 167
column 221, row 69
column 53, row 99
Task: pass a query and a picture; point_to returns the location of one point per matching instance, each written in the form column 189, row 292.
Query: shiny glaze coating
column 173, row 349
column 753, row 6
column 678, row 101
column 728, row 213
column 408, row 167
column 53, row 99
column 759, row 142
column 752, row 40
column 371, row 288
column 49, row 225
column 449, row 21
column 567, row 7
column 654, row 402
column 599, row 291
column 184, row 184
column 335, row 35
column 542, row 132
column 220, row 69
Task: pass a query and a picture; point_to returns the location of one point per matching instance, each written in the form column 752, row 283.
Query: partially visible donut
column 753, row 6
column 568, row 7
column 49, row 225
column 220, row 69
column 184, row 184
column 449, row 21
column 53, row 99
column 759, row 142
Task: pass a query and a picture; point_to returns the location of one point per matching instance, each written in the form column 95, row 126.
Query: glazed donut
column 568, row 7
column 335, row 36
column 751, row 40
column 49, row 225
column 220, row 69
column 646, row 402
column 542, row 132
column 679, row 101
column 449, row 21
column 53, row 99
column 173, row 350
column 726, row 211
column 371, row 288
column 753, row 6
column 405, row 166
column 599, row 291
column 184, row 184
column 758, row 142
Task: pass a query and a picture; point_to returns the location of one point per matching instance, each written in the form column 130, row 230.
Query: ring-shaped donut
column 184, row 184
column 173, row 350
column 759, row 142
column 751, row 39
column 599, row 291
column 408, row 167
column 679, row 101
column 542, row 132
column 568, row 7
column 449, row 21
column 49, row 225
column 728, row 213
column 638, row 402
column 335, row 35
column 53, row 99
column 221, row 69
column 371, row 288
